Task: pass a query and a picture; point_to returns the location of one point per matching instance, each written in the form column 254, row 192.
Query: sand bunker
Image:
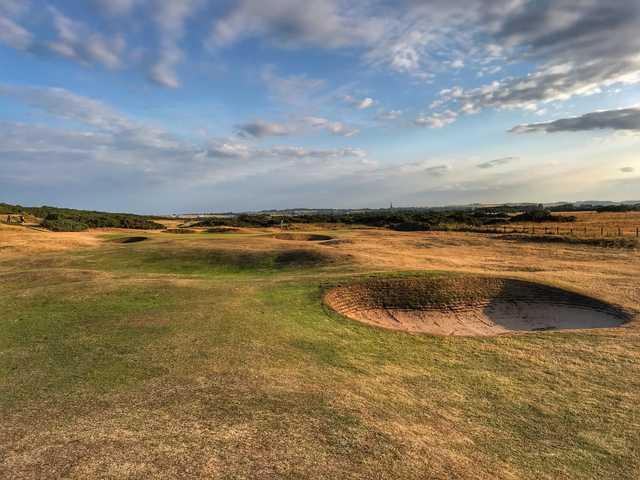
column 303, row 237
column 470, row 305
column 129, row 239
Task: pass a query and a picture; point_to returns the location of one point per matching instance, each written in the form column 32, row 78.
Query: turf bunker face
column 303, row 237
column 470, row 305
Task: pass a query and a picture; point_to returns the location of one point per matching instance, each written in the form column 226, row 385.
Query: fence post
column 602, row 231
column 619, row 232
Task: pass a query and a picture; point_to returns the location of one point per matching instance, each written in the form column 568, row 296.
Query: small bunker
column 303, row 237
column 471, row 306
column 129, row 239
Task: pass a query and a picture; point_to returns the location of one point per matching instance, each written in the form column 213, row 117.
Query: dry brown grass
column 150, row 369
column 593, row 222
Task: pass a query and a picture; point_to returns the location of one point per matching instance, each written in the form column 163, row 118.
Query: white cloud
column 359, row 103
column 170, row 17
column 64, row 104
column 14, row 35
column 291, row 23
column 336, row 128
column 389, row 114
column 570, row 44
column 76, row 42
column 292, row 89
column 105, row 142
column 436, row 120
column 260, row 128
column 228, row 149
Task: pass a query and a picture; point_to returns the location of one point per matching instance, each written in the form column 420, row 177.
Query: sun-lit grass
column 171, row 358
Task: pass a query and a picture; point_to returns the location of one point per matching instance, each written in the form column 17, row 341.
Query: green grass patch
column 156, row 258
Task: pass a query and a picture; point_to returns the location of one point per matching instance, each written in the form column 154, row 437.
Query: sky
column 175, row 106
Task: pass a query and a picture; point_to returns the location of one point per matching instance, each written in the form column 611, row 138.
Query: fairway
column 129, row 354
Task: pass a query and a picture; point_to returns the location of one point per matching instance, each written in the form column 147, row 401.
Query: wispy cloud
column 496, row 162
column 359, row 103
column 170, row 17
column 436, row 120
column 293, row 24
column 623, row 119
column 260, row 128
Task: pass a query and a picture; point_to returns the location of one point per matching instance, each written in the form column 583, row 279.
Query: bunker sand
column 471, row 306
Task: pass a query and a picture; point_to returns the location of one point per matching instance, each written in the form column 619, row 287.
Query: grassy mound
column 470, row 305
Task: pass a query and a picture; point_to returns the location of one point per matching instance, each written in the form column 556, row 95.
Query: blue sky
column 166, row 106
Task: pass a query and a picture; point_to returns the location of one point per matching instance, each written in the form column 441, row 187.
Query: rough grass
column 604, row 242
column 203, row 260
column 121, row 363
column 222, row 230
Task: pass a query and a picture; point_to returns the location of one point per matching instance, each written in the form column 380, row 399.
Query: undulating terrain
column 147, row 354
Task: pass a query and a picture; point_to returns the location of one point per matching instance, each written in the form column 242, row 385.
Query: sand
column 471, row 306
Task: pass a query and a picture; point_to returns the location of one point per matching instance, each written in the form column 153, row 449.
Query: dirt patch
column 471, row 305
column 179, row 230
column 303, row 237
column 129, row 239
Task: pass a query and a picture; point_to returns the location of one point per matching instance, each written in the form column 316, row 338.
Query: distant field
column 593, row 221
column 586, row 224
column 212, row 355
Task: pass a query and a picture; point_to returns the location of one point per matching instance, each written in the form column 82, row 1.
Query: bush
column 63, row 225
column 410, row 227
column 541, row 216
column 66, row 220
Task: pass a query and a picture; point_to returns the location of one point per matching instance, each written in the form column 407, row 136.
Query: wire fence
column 575, row 231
